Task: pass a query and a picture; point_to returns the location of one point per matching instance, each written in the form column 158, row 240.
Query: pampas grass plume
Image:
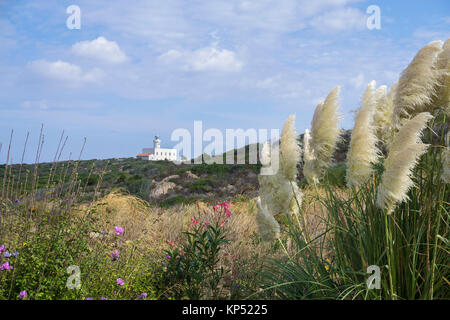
column 267, row 225
column 363, row 152
column 418, row 84
column 405, row 150
column 325, row 131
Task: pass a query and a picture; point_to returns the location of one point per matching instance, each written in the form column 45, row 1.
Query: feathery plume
column 405, row 150
column 418, row 84
column 267, row 225
column 325, row 132
column 363, row 151
column 442, row 99
column 279, row 193
column 290, row 151
column 446, row 161
column 309, row 170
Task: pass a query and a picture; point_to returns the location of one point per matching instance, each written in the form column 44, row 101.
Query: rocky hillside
column 162, row 181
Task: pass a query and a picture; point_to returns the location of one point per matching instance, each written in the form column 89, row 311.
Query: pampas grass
column 418, row 84
column 267, row 225
column 363, row 152
column 309, row 170
column 290, row 151
column 279, row 193
column 325, row 133
column 443, row 65
column 446, row 161
column 405, row 150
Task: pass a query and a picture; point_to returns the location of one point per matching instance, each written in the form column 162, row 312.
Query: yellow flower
column 25, row 243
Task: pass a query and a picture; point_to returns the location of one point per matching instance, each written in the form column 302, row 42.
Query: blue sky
column 150, row 67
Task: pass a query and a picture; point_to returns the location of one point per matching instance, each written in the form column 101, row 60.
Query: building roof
column 143, row 155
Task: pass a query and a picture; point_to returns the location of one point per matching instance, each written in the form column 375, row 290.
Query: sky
column 136, row 69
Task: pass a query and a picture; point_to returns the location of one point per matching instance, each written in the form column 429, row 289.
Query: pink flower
column 222, row 223
column 2, row 248
column 225, row 204
column 194, row 221
column 23, row 294
column 205, row 224
column 228, row 212
column 118, row 230
column 6, row 266
column 120, row 281
column 115, row 255
column 216, row 207
column 143, row 295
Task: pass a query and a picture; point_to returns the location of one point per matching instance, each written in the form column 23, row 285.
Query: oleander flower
column 325, row 133
column 418, row 83
column 405, row 150
column 363, row 151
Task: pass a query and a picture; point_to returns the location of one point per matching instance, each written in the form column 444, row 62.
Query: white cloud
column 67, row 72
column 357, row 81
column 100, row 49
column 205, row 59
column 41, row 104
column 340, row 20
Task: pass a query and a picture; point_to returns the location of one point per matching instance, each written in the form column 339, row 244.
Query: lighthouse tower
column 157, row 143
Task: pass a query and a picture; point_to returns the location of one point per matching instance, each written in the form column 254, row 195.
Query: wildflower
column 168, row 257
column 418, row 84
column 228, row 213
column 2, row 248
column 143, row 295
column 89, row 298
column 24, row 244
column 115, row 255
column 171, row 243
column 405, row 150
column 6, row 266
column 104, row 298
column 120, row 281
column 363, row 152
column 7, row 254
column 205, row 224
column 15, row 254
column 118, row 230
column 222, row 223
column 23, row 294
column 216, row 207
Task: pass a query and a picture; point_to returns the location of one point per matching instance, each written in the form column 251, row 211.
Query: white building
column 158, row 153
